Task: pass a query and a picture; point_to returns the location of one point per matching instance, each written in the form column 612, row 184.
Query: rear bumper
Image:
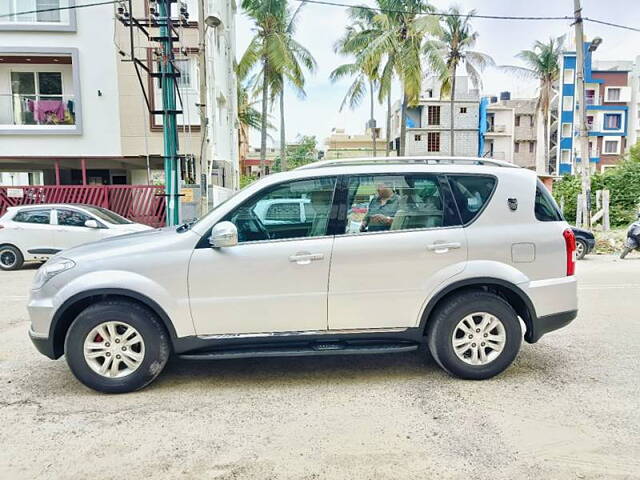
column 549, row 323
column 43, row 344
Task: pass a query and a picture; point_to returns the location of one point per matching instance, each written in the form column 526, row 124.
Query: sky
column 319, row 26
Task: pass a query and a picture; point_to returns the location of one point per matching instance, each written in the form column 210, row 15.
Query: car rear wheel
column 10, row 258
column 116, row 347
column 474, row 335
column 581, row 249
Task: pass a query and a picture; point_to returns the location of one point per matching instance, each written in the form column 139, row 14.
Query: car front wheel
column 116, row 347
column 474, row 335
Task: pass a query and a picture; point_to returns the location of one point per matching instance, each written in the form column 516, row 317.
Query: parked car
column 585, row 242
column 454, row 254
column 37, row 232
column 280, row 211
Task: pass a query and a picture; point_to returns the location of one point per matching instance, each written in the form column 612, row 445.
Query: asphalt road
column 568, row 408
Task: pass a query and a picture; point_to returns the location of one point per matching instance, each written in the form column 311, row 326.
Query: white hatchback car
column 465, row 256
column 36, row 232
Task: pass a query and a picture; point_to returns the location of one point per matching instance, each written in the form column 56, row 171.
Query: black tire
column 443, row 323
column 581, row 249
column 155, row 337
column 625, row 252
column 10, row 258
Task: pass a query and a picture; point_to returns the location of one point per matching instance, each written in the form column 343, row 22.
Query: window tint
column 72, row 218
column 33, row 216
column 397, row 202
column 275, row 214
column 546, row 207
column 471, row 193
column 107, row 215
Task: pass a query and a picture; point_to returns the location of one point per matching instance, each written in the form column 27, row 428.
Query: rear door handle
column 442, row 247
column 305, row 258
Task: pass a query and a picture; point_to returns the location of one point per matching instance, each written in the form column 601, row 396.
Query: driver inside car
column 381, row 209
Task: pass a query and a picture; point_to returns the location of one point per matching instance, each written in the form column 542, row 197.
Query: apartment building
column 510, row 130
column 428, row 124
column 607, row 101
column 72, row 109
column 340, row 144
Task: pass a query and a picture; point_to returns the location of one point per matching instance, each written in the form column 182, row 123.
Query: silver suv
column 466, row 256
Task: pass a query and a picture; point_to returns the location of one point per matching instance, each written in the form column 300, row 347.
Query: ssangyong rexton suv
column 466, row 256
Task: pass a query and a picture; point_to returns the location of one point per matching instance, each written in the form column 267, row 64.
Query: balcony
column 50, row 19
column 497, row 129
column 26, row 111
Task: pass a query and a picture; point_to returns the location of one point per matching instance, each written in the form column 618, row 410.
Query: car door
column 71, row 230
column 272, row 280
column 33, row 231
column 402, row 239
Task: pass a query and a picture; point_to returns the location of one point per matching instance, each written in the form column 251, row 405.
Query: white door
column 70, row 229
column 34, row 231
column 275, row 279
column 402, row 240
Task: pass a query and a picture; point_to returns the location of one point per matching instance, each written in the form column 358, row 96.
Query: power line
column 447, row 14
column 57, row 9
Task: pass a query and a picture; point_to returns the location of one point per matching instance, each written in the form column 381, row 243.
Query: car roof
column 411, row 160
column 51, row 205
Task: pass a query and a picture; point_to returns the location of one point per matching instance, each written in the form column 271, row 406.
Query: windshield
column 107, row 215
column 213, row 209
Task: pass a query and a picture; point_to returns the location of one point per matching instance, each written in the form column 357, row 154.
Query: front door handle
column 442, row 247
column 305, row 258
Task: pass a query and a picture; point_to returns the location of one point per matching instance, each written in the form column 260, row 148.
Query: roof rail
column 343, row 162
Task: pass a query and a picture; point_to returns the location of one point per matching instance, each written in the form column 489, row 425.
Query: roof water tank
column 505, row 95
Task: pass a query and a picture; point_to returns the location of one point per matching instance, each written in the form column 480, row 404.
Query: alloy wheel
column 114, row 349
column 8, row 258
column 479, row 338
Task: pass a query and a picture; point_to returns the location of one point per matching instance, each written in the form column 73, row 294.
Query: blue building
column 607, row 97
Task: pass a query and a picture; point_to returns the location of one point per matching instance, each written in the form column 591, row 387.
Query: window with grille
column 433, row 115
column 463, row 109
column 613, row 95
column 433, row 141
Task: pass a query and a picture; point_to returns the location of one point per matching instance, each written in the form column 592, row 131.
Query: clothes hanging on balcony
column 43, row 108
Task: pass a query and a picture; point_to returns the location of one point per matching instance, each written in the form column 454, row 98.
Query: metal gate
column 139, row 203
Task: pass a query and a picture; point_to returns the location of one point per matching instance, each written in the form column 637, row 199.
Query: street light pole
column 583, row 134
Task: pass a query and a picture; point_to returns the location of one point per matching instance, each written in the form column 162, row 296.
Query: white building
column 72, row 109
column 428, row 124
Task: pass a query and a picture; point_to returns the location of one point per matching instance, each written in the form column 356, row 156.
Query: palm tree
column 542, row 63
column 365, row 73
column 398, row 32
column 451, row 47
column 277, row 55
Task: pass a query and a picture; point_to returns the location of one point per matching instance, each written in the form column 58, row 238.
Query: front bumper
column 549, row 323
column 43, row 344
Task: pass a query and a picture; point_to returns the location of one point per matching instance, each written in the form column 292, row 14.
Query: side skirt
column 298, row 344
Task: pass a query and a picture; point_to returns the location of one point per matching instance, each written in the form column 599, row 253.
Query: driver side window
column 294, row 209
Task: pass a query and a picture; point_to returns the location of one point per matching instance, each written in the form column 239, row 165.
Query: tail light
column 570, row 246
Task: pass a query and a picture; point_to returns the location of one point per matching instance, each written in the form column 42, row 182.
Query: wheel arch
column 72, row 307
column 510, row 292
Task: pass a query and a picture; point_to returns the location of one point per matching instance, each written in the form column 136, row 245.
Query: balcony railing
column 497, row 129
column 25, row 110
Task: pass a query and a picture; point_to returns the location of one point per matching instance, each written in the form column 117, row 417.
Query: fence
column 140, row 203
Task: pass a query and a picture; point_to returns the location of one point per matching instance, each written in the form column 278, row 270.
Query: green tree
column 451, row 48
column 397, row 33
column 302, row 152
column 542, row 63
column 277, row 56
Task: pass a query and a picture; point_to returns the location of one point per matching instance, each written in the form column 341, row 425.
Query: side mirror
column 223, row 234
column 91, row 224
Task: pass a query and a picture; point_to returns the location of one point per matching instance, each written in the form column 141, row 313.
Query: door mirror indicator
column 91, row 224
column 223, row 234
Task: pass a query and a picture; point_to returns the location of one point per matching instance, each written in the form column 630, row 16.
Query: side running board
column 315, row 349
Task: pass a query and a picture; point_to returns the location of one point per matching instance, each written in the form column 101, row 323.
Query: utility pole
column 169, row 122
column 204, row 123
column 583, row 133
column 160, row 18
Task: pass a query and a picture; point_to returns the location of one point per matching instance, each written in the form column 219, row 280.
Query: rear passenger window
column 378, row 203
column 547, row 209
column 33, row 216
column 472, row 192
